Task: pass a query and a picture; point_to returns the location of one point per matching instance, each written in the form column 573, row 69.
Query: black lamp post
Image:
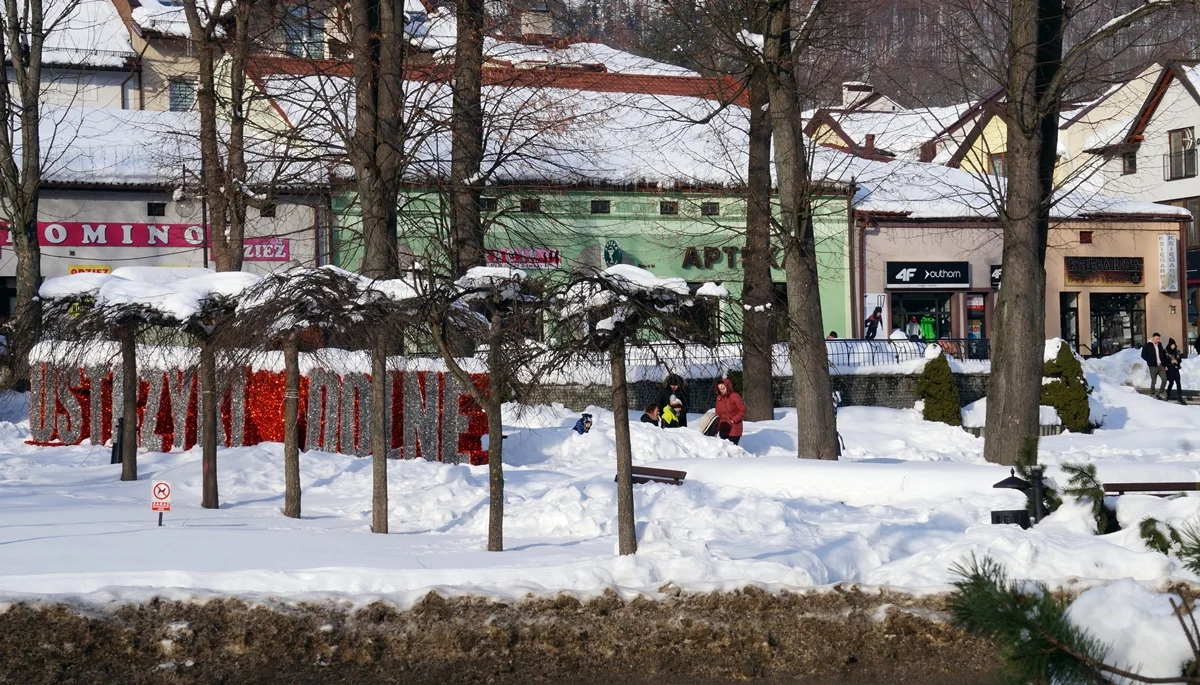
column 1020, row 516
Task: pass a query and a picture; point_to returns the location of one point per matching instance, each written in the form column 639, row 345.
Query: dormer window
column 304, row 33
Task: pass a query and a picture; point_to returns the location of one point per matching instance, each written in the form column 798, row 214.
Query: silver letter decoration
column 155, row 377
column 41, row 425
column 352, row 383
column 453, row 423
column 118, row 397
column 97, row 374
column 321, row 382
column 70, row 424
column 179, row 388
column 421, row 415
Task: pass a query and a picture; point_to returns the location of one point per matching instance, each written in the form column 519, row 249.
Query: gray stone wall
column 870, row 390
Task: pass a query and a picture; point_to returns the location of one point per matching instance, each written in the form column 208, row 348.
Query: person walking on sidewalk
column 1174, row 364
column 730, row 411
column 1156, row 359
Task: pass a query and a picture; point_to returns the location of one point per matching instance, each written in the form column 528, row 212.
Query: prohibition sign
column 162, row 491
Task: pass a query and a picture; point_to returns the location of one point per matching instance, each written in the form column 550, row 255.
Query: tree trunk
column 626, row 531
column 202, row 30
column 757, row 293
column 466, row 129
column 291, row 438
column 208, row 432
column 495, row 400
column 376, row 148
column 816, row 432
column 129, row 395
column 379, row 437
column 21, row 172
column 1019, row 331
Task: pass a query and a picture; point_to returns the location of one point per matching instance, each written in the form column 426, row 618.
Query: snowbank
column 975, row 414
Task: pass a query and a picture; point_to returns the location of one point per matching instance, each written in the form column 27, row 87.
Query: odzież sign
column 928, row 275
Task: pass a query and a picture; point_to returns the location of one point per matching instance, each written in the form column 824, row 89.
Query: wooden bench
column 645, row 474
column 1157, row 489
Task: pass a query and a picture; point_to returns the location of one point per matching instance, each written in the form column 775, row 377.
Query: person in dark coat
column 672, row 403
column 1156, row 359
column 871, row 325
column 584, row 424
column 730, row 411
column 651, row 414
column 1174, row 364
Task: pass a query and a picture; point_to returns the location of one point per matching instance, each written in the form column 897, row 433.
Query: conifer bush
column 937, row 388
column 1068, row 391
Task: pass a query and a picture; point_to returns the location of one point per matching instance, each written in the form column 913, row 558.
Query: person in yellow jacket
column 672, row 403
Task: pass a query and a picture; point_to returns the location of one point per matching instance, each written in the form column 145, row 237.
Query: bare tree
column 467, row 137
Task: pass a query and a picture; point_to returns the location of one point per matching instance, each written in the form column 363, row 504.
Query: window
column 996, row 165
column 922, row 316
column 531, row 205
column 182, row 94
column 156, row 209
column 1068, row 318
column 601, row 206
column 702, row 317
column 710, row 209
column 1193, row 227
column 1085, row 237
column 1118, row 322
column 267, row 211
column 1129, row 163
column 487, row 204
column 668, row 208
column 1180, row 162
column 304, row 33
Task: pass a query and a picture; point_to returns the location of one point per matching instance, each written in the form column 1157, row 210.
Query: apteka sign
column 928, row 275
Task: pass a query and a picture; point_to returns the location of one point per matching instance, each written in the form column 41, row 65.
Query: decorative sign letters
column 1103, row 270
column 1168, row 263
column 524, row 257
column 431, row 415
column 113, row 234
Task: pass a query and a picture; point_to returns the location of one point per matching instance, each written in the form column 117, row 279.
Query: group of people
column 1164, row 365
column 670, row 411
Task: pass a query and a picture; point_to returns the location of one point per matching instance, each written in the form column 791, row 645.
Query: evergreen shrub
column 937, row 388
column 1068, row 391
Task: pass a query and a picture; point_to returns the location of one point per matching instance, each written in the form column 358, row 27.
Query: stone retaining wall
column 869, row 390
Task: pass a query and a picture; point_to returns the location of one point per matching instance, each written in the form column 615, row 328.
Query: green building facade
column 696, row 236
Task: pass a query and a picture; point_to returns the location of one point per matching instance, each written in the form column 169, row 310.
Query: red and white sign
column 266, row 249
column 524, row 257
column 113, row 234
column 160, row 496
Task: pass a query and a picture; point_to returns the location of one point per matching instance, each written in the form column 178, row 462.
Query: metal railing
column 1179, row 164
column 848, row 352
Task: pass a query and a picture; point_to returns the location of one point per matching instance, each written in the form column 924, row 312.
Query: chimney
column 537, row 22
column 870, row 143
column 854, row 92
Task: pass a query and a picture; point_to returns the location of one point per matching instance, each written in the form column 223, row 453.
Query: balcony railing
column 1179, row 164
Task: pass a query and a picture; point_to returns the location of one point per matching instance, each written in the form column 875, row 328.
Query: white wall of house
column 176, row 236
column 87, row 87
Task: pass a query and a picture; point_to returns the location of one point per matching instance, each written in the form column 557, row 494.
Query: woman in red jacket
column 730, row 411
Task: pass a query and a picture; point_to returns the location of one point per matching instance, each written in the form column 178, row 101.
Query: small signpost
column 160, row 498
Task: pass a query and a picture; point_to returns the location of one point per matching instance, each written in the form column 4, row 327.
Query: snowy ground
column 909, row 500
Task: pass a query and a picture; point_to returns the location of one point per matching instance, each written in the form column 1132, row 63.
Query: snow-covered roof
column 108, row 146
column 85, row 33
column 899, row 133
column 162, row 16
column 542, row 134
column 582, row 54
column 929, row 191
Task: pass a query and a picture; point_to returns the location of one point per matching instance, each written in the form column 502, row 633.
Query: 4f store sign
column 928, row 275
column 94, row 234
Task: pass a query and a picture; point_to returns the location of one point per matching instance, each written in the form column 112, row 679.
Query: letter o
column 194, row 235
column 56, row 234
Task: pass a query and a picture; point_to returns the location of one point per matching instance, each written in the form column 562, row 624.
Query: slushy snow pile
column 908, row 500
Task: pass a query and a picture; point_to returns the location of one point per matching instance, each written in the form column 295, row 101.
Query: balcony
column 1179, row 164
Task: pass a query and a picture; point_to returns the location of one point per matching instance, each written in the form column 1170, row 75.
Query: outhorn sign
column 928, row 275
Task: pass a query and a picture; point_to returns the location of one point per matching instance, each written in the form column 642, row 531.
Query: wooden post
column 495, row 401
column 209, row 498
column 291, row 439
column 129, row 384
column 379, row 437
column 620, row 404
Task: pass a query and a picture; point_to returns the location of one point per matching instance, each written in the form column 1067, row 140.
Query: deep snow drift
column 909, row 500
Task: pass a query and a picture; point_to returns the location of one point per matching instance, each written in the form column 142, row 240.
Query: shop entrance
column 923, row 316
column 1118, row 322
